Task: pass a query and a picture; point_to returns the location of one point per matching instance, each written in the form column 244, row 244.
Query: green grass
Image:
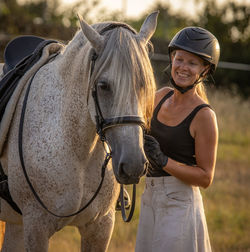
column 226, row 201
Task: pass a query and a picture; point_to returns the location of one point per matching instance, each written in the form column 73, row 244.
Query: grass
column 226, row 201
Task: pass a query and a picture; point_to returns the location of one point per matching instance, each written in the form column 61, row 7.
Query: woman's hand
column 155, row 156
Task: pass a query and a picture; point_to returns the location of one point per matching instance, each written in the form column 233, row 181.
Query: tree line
column 230, row 23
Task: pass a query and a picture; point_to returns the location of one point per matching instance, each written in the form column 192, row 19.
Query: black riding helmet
column 200, row 42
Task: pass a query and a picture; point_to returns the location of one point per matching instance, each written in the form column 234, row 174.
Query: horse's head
column 122, row 86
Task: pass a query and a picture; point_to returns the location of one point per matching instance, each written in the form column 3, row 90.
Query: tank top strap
column 191, row 116
column 157, row 108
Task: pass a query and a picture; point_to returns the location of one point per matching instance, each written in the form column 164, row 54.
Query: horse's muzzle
column 128, row 173
column 128, row 181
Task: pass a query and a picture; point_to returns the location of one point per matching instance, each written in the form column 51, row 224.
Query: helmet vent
column 205, row 46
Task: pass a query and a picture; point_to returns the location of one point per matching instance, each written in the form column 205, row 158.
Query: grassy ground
column 226, row 202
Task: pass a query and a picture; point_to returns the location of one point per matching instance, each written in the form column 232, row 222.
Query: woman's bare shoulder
column 206, row 120
column 161, row 93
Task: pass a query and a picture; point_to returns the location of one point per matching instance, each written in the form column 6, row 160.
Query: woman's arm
column 205, row 132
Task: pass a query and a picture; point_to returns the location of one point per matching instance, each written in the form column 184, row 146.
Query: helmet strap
column 184, row 90
column 181, row 89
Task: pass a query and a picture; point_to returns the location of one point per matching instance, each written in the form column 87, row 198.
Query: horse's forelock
column 131, row 72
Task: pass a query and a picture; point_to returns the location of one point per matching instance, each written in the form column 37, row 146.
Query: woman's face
column 186, row 68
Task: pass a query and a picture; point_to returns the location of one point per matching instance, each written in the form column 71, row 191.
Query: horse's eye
column 104, row 85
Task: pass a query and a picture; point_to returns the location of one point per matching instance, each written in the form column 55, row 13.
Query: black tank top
column 176, row 141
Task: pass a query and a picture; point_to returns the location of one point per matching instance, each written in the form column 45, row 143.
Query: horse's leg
column 13, row 238
column 96, row 235
column 38, row 228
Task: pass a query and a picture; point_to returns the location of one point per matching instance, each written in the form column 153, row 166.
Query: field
column 226, row 201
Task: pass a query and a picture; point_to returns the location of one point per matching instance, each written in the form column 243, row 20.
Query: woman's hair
column 200, row 87
column 201, row 91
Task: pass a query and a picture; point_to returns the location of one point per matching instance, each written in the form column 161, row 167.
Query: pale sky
column 134, row 8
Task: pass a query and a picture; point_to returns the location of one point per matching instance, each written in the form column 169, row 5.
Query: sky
column 134, row 8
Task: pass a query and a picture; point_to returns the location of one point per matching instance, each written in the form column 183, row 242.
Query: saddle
column 18, row 50
column 20, row 55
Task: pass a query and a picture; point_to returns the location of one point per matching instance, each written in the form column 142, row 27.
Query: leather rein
column 102, row 124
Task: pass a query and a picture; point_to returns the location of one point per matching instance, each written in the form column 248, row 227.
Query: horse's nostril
column 124, row 170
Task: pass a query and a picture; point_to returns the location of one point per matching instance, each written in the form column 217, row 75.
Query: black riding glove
column 155, row 156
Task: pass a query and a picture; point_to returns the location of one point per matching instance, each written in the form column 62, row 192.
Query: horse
column 63, row 148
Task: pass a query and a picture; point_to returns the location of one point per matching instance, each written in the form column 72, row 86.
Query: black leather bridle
column 102, row 124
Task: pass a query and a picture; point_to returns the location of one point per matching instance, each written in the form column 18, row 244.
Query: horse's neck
column 72, row 69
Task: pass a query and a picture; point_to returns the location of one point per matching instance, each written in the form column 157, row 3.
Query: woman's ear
column 172, row 54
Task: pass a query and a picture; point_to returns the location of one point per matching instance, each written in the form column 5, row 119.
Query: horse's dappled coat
column 59, row 130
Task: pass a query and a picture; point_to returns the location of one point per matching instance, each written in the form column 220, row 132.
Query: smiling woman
column 181, row 149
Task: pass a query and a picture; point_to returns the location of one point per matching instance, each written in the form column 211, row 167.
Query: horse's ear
column 92, row 35
column 148, row 27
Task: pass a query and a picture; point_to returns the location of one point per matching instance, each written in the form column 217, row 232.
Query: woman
column 181, row 149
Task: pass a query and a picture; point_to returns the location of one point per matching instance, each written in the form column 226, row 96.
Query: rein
column 102, row 124
column 20, row 148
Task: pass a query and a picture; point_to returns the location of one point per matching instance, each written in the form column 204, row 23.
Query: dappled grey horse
column 103, row 73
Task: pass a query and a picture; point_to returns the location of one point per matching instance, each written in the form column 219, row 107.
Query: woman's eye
column 104, row 85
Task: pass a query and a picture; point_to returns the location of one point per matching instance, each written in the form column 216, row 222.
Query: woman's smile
column 182, row 75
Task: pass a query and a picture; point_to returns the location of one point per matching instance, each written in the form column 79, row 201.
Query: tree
column 42, row 18
column 230, row 23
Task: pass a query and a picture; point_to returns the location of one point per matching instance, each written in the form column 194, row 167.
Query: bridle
column 102, row 124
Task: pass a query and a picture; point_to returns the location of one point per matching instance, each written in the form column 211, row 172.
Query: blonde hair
column 201, row 91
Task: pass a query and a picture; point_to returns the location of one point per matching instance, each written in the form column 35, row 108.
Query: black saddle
column 18, row 50
column 20, row 55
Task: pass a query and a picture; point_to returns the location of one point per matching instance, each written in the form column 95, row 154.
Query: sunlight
column 135, row 8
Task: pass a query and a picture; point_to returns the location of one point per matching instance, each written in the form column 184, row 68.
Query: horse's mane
column 131, row 68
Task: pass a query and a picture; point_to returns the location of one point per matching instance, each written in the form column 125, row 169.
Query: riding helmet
column 198, row 41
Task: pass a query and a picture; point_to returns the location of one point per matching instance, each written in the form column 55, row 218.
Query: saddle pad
column 12, row 83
